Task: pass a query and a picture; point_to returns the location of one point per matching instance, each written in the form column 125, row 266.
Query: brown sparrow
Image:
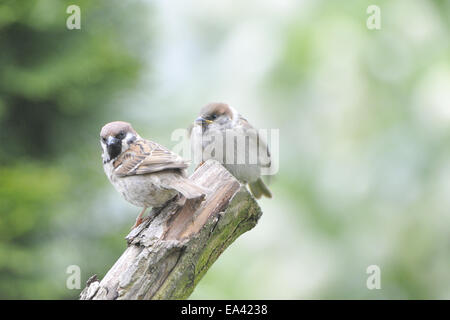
column 145, row 173
column 221, row 133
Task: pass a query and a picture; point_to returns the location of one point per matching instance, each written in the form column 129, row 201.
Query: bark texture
column 168, row 254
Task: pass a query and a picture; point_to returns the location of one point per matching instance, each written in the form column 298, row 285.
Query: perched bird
column 221, row 133
column 145, row 173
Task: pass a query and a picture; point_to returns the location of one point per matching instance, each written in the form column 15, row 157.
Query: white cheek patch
column 129, row 138
column 235, row 115
column 105, row 155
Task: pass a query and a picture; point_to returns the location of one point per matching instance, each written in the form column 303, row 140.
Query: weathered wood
column 169, row 253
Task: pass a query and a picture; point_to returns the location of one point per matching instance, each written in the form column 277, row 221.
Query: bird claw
column 139, row 219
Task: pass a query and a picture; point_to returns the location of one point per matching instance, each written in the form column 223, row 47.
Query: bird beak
column 111, row 141
column 202, row 121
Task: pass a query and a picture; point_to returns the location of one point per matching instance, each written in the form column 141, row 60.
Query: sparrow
column 209, row 133
column 144, row 172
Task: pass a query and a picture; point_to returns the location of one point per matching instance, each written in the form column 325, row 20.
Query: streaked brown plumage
column 145, row 173
column 216, row 119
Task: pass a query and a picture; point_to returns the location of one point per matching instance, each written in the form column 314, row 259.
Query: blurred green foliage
column 55, row 85
column 363, row 118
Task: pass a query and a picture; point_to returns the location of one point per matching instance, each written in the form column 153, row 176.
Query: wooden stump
column 169, row 253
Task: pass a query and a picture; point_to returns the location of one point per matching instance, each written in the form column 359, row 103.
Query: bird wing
column 146, row 156
column 262, row 145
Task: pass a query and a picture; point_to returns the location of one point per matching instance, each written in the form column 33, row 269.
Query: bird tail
column 188, row 188
column 258, row 189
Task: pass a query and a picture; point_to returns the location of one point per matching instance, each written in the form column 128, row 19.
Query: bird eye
column 121, row 135
column 214, row 116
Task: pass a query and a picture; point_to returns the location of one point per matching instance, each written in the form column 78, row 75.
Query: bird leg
column 199, row 165
column 139, row 219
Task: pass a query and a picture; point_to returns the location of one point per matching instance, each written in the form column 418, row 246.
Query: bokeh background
column 364, row 120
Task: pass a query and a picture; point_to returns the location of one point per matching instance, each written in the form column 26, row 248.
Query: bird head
column 216, row 113
column 115, row 138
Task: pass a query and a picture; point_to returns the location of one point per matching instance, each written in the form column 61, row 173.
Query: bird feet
column 139, row 219
column 199, row 165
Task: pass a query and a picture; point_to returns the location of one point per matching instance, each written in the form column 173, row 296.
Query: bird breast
column 140, row 190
